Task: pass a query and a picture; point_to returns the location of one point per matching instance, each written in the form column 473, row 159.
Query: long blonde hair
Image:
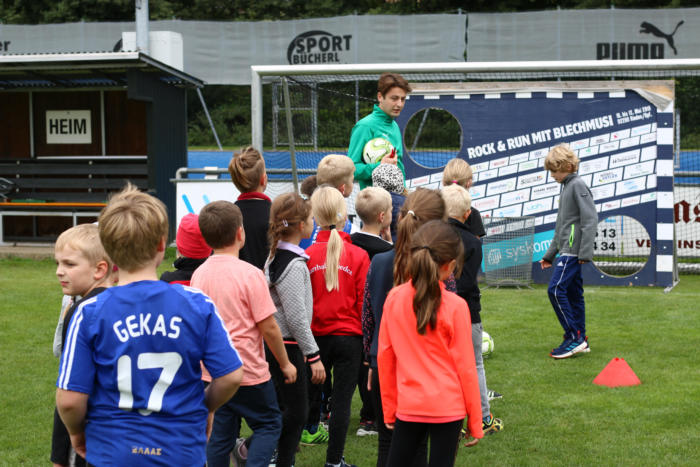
column 328, row 207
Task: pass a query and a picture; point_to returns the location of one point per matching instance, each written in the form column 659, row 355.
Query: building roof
column 84, row 69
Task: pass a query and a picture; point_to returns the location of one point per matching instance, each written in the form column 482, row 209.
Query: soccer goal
column 621, row 117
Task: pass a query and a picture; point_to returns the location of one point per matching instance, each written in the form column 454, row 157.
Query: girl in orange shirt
column 427, row 371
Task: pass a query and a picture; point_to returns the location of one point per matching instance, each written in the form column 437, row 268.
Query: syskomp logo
column 314, row 47
column 639, row 50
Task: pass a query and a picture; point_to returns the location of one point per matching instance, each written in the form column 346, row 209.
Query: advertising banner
column 624, row 144
column 584, row 35
column 221, row 52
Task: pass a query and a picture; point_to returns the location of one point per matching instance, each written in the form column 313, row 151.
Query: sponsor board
column 537, row 206
column 608, row 176
column 613, row 133
column 514, row 197
column 594, row 165
column 543, row 191
column 537, row 178
column 495, row 188
column 485, row 204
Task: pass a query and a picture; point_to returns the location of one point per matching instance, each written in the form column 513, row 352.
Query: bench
column 74, row 188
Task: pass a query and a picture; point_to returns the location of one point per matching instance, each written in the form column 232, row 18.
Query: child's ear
column 263, row 180
column 381, row 216
column 161, row 244
column 101, row 270
column 240, row 234
column 467, row 214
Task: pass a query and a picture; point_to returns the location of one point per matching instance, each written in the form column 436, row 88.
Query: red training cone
column 617, row 373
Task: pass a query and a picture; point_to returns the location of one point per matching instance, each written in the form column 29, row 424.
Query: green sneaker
column 311, row 439
column 491, row 425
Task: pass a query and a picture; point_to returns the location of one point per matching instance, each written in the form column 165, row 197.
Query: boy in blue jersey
column 84, row 270
column 129, row 385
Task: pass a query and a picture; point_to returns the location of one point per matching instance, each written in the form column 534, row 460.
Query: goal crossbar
column 568, row 68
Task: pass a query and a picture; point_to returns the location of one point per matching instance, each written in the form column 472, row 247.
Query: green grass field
column 552, row 412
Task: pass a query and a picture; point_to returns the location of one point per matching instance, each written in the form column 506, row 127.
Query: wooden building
column 75, row 127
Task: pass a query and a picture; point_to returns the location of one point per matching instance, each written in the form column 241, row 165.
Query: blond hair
column 132, row 226
column 561, row 159
column 457, row 171
column 85, row 238
column 335, row 170
column 247, row 169
column 328, row 207
column 370, row 202
column 457, row 200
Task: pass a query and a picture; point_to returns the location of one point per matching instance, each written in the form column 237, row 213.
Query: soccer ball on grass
column 486, row 344
column 375, row 149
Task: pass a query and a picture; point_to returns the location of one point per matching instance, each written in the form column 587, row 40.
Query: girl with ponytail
column 290, row 289
column 427, row 370
column 338, row 271
column 389, row 269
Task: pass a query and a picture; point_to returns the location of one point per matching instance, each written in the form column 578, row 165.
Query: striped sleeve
column 77, row 369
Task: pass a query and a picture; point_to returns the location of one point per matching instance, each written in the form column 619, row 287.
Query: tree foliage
column 65, row 11
column 230, row 105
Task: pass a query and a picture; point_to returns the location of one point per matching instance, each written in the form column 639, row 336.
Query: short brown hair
column 457, row 171
column 308, row 186
column 334, row 170
column 219, row 222
column 392, row 80
column 286, row 213
column 85, row 238
column 131, row 227
column 561, row 159
column 247, row 169
column 370, row 202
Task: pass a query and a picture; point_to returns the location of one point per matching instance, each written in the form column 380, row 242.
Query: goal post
column 633, row 180
column 464, row 70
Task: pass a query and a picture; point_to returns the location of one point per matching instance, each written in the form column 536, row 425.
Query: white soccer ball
column 486, row 344
column 375, row 149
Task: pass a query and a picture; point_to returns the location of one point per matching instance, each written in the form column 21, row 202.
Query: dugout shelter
column 75, row 127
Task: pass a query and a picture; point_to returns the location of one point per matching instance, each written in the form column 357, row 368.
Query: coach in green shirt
column 392, row 90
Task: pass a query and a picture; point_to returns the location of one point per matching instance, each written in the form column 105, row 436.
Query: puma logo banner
column 639, row 50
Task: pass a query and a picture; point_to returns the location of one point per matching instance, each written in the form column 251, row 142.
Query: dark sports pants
column 341, row 358
column 566, row 295
column 444, row 439
column 385, row 435
column 293, row 400
column 367, row 410
column 60, row 443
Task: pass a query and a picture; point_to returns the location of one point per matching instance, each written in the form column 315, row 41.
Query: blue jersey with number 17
column 136, row 350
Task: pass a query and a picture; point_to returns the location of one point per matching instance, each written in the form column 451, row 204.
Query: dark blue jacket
column 380, row 280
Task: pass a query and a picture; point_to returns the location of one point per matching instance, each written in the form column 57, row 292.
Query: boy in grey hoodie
column 574, row 234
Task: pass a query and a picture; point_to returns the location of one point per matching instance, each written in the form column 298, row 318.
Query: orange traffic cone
column 617, row 373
